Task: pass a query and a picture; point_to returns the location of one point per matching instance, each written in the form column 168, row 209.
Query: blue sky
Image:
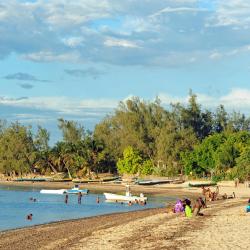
column 78, row 59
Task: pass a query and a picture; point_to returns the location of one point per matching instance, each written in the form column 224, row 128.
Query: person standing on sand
column 79, row 198
column 236, row 182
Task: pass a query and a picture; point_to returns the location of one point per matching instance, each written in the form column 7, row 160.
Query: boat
column 61, row 180
column 152, row 182
column 33, row 179
column 127, row 197
column 76, row 190
column 55, row 191
column 202, row 184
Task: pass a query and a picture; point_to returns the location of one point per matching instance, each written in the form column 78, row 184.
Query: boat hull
column 117, row 197
column 202, row 184
column 57, row 191
column 76, row 191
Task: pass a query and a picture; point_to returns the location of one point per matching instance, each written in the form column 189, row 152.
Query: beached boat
column 33, row 179
column 152, row 182
column 55, row 191
column 76, row 190
column 202, row 184
column 127, row 197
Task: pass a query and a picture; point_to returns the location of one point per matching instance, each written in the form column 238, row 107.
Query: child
column 188, row 210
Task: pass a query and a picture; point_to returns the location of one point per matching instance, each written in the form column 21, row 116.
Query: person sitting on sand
column 188, row 209
column 248, row 207
column 225, row 196
column 178, row 207
column 197, row 207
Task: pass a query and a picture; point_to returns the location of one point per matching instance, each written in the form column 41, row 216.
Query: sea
column 17, row 202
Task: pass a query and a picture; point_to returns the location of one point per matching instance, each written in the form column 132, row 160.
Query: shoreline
column 146, row 229
column 104, row 187
column 127, row 229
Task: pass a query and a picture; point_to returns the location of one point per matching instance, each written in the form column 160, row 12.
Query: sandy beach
column 224, row 225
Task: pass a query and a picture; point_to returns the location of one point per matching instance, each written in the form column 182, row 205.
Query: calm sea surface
column 15, row 204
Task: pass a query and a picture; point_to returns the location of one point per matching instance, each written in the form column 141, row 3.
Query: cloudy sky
column 78, row 59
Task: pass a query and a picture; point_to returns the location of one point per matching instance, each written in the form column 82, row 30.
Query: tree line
column 140, row 137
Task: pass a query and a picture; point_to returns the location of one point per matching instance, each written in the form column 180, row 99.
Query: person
column 130, row 203
column 225, row 196
column 79, row 198
column 29, row 216
column 66, row 198
column 197, row 207
column 236, row 182
column 178, row 207
column 97, row 199
column 248, row 207
column 188, row 209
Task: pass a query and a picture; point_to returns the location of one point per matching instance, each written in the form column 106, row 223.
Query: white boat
column 76, row 190
column 126, row 197
column 55, row 191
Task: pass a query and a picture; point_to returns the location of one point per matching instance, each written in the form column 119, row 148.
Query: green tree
column 17, row 152
column 131, row 161
column 71, row 130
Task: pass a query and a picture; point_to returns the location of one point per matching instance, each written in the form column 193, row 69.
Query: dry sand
column 224, row 225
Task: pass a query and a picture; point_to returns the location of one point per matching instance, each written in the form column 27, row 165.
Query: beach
column 224, row 225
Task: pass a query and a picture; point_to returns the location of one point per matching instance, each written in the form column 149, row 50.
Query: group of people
column 185, row 207
column 213, row 196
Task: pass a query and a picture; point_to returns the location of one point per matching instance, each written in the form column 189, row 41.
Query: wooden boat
column 152, row 182
column 61, row 180
column 202, row 184
column 32, row 179
column 56, row 191
column 127, row 197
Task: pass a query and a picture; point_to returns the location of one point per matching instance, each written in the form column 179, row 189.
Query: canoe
column 119, row 198
column 32, row 179
column 152, row 182
column 51, row 191
column 60, row 180
column 202, row 184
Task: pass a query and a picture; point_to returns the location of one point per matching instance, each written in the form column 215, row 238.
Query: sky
column 78, row 59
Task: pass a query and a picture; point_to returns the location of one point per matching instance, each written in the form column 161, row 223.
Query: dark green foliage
column 140, row 138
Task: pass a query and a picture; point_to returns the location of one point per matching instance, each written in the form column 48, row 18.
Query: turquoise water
column 15, row 205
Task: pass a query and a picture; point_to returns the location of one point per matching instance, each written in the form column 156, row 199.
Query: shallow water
column 15, row 205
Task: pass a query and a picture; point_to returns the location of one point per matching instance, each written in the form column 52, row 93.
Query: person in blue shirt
column 248, row 207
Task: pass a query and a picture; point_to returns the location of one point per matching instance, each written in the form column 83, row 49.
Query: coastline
column 147, row 229
column 144, row 229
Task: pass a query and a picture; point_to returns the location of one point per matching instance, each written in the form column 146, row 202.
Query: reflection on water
column 16, row 204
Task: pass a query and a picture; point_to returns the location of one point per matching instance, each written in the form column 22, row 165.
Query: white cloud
column 237, row 99
column 111, row 42
column 84, row 31
column 63, row 105
column 231, row 13
column 49, row 56
column 215, row 55
column 177, row 10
